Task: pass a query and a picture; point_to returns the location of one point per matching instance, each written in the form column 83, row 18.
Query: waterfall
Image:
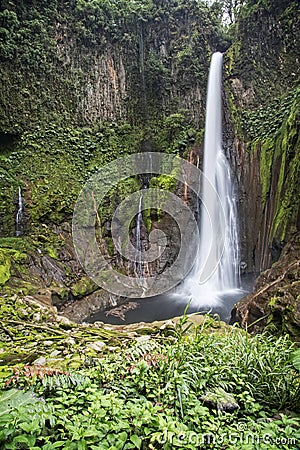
column 138, row 265
column 220, row 254
column 19, row 216
column 113, row 300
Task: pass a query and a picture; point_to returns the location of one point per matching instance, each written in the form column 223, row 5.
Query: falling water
column 113, row 300
column 138, row 265
column 19, row 216
column 223, row 254
column 223, row 282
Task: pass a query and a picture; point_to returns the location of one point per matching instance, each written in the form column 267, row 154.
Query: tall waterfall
column 138, row 265
column 19, row 215
column 223, row 253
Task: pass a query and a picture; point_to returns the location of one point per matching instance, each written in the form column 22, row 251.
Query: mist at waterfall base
column 218, row 290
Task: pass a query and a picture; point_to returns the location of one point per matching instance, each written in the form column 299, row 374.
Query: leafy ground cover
column 188, row 383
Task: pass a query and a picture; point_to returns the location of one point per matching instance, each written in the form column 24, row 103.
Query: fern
column 64, row 381
column 142, row 348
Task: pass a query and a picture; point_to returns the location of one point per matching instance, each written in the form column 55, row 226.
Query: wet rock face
column 275, row 302
column 126, row 68
column 55, row 280
column 268, row 194
column 81, row 309
column 262, row 139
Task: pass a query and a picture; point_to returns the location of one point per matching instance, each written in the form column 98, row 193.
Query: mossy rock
column 4, row 268
column 275, row 303
column 83, row 287
column 7, row 257
column 220, row 400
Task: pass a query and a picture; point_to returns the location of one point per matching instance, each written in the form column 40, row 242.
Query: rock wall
column 81, row 62
column 275, row 302
column 85, row 82
column 262, row 96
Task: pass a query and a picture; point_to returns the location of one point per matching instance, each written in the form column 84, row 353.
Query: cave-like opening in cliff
column 8, row 141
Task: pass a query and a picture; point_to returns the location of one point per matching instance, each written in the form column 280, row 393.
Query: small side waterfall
column 223, row 253
column 20, row 214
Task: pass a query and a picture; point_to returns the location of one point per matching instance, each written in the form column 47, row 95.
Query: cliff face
column 68, row 69
column 269, row 192
column 82, row 84
column 80, row 61
column 86, row 82
column 263, row 93
column 262, row 76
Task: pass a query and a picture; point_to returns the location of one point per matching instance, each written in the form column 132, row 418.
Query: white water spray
column 224, row 279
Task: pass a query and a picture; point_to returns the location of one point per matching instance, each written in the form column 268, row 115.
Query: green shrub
column 148, row 393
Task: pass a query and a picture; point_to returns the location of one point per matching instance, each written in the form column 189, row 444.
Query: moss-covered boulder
column 10, row 262
column 220, row 400
column 275, row 302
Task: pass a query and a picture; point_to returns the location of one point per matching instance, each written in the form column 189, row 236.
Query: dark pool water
column 166, row 306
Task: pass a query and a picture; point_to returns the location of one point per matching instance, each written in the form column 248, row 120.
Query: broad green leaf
column 14, row 399
column 136, row 440
column 29, row 440
column 296, row 359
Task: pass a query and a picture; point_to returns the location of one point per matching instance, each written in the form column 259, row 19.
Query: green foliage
column 164, row 182
column 296, row 359
column 21, row 245
column 265, row 64
column 146, row 392
column 53, row 163
column 22, row 417
column 115, row 196
column 15, row 398
column 173, row 134
column 250, row 7
column 4, row 268
column 49, row 53
column 83, row 287
column 265, row 121
column 7, row 258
